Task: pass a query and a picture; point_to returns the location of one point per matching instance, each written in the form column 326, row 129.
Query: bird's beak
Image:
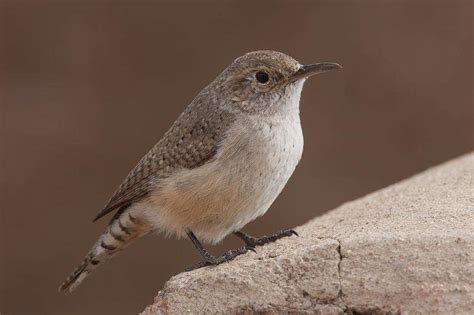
column 306, row 71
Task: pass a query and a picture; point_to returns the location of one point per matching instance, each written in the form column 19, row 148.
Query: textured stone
column 405, row 249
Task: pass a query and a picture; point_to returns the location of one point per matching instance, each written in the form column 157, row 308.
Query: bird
column 220, row 166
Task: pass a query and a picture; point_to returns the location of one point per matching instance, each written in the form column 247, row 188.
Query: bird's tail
column 121, row 232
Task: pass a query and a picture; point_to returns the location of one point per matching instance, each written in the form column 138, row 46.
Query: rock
column 406, row 249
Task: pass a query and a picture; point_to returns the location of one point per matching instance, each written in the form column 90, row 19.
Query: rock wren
column 220, row 166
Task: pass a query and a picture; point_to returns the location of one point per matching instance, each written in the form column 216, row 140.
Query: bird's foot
column 251, row 241
column 210, row 260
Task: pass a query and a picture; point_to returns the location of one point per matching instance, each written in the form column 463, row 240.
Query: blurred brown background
column 89, row 86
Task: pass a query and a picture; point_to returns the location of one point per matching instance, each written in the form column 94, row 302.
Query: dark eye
column 262, row 77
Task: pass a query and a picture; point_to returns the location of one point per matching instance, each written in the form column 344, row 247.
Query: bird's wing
column 189, row 143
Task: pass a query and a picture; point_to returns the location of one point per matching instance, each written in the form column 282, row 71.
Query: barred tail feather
column 120, row 233
column 78, row 275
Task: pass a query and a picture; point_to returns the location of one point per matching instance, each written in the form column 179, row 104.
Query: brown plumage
column 190, row 142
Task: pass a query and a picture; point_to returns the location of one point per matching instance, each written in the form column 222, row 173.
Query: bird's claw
column 251, row 248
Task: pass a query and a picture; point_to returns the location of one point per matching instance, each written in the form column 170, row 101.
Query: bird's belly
column 262, row 167
column 250, row 171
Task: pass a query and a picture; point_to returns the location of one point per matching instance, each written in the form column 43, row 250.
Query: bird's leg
column 209, row 259
column 251, row 241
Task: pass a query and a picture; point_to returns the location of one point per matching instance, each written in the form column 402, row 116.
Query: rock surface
column 406, row 249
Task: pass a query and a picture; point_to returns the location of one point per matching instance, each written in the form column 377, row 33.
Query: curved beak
column 306, row 71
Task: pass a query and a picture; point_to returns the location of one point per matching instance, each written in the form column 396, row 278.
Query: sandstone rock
column 406, row 249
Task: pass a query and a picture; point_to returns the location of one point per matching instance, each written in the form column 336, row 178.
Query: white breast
column 263, row 159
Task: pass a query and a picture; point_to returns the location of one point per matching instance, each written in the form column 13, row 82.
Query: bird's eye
column 262, row 77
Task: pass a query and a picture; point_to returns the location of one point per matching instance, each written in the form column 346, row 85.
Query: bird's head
column 268, row 81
